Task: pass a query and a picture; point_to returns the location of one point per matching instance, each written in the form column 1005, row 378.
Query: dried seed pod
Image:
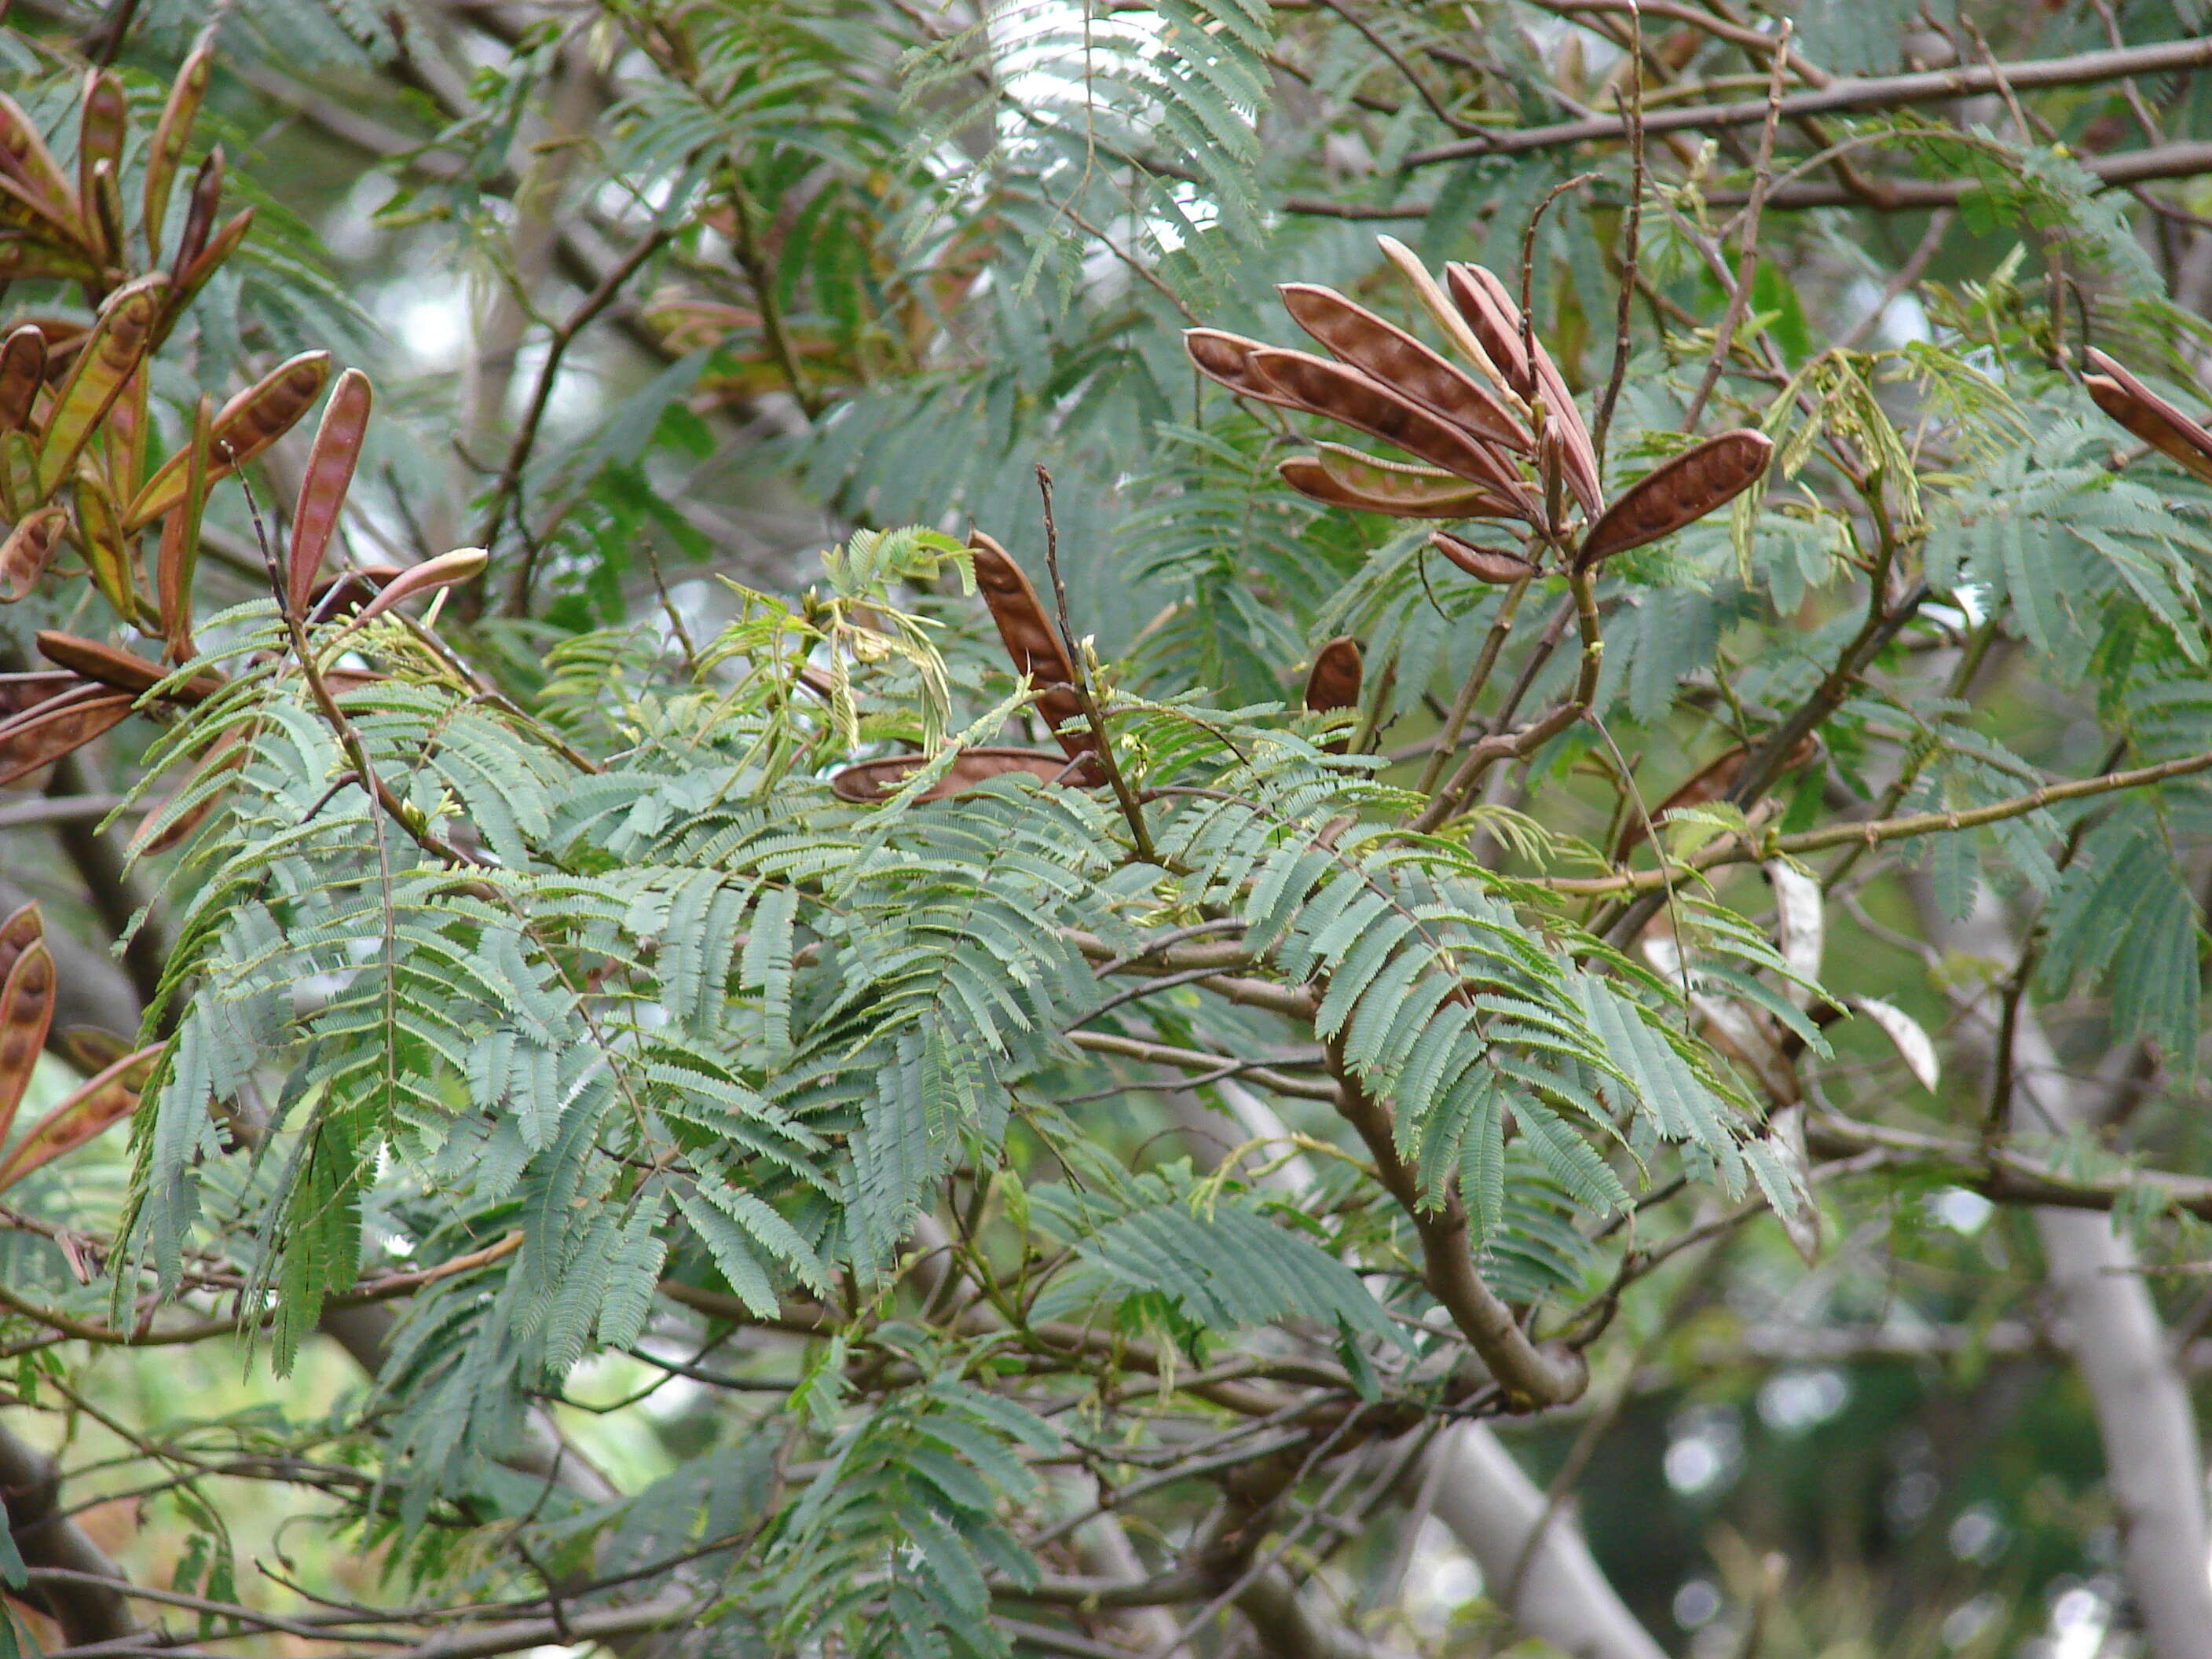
column 29, row 546
column 1358, row 337
column 27, row 1009
column 458, row 565
column 874, row 781
column 244, row 427
column 2157, row 422
column 1578, row 449
column 1444, row 314
column 1348, row 394
column 20, row 930
column 114, row 572
column 1403, row 495
column 1489, row 309
column 1492, row 311
column 23, row 371
column 104, row 116
column 220, row 247
column 96, row 376
column 1681, row 492
column 60, row 726
column 24, row 155
column 19, row 473
column 1333, row 682
column 112, row 666
column 352, row 589
column 323, row 488
column 20, row 693
column 43, row 258
column 103, row 1101
column 91, row 1048
column 104, row 211
column 1494, row 565
column 166, row 150
column 199, row 216
column 1226, row 359
column 1030, row 640
column 180, row 538
column 1715, row 780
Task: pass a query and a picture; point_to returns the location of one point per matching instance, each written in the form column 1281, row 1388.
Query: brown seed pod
column 60, row 726
column 27, row 1009
column 20, row 693
column 104, row 116
column 24, row 555
column 1715, row 780
column 1333, row 682
column 323, row 488
column 444, row 570
column 24, row 154
column 104, row 1100
column 244, row 427
column 91, row 1048
column 1681, row 492
column 1358, row 337
column 110, row 665
column 874, row 780
column 1480, row 298
column 1030, row 640
column 23, row 371
column 1486, row 564
column 1349, row 395
column 114, row 572
column 221, row 246
column 165, row 151
column 352, row 589
column 97, row 375
column 19, row 932
column 200, row 207
column 1402, row 494
column 180, row 538
column 1226, row 359
column 2157, row 422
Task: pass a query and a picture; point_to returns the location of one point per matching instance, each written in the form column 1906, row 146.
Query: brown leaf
column 1486, row 564
column 329, row 476
column 96, row 377
column 165, row 151
column 1349, row 395
column 104, row 1100
column 23, row 371
column 29, row 545
column 26, row 1009
column 1227, row 359
column 244, row 427
column 1333, row 682
column 2157, row 422
column 180, row 538
column 1681, row 492
column 871, row 780
column 1358, row 337
column 112, row 666
column 1402, row 494
column 1030, row 641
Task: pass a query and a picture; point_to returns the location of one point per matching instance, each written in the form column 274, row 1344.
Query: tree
column 1194, row 1009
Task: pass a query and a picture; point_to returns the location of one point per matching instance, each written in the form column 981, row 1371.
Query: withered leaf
column 1681, row 492
column 1486, row 564
column 1030, row 640
column 1358, row 337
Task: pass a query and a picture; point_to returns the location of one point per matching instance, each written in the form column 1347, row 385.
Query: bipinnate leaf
column 103, row 363
column 27, row 1011
column 443, row 571
column 60, row 726
column 23, row 371
column 103, row 1100
column 1030, row 640
column 2153, row 419
column 1348, row 394
column 180, row 538
column 1402, row 492
column 165, row 152
column 322, row 488
column 29, row 546
column 244, row 427
column 1333, row 682
column 1678, row 493
column 1486, row 564
column 1357, row 336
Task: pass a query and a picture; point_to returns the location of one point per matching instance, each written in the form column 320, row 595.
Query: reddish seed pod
column 244, row 427
column 29, row 547
column 23, row 371
column 20, row 693
column 1358, row 337
column 60, row 726
column 180, row 538
column 1333, row 682
column 103, row 1101
column 1482, row 299
column 874, row 781
column 1678, row 493
column 1226, row 359
column 19, row 932
column 323, row 488
column 199, row 214
column 2150, row 417
column 97, row 375
column 1030, row 640
column 444, row 570
column 1486, row 564
column 25, row 156
column 110, row 665
column 1401, row 495
column 165, row 152
column 27, row 1009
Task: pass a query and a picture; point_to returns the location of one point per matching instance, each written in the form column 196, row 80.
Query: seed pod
column 221, row 246
column 1681, row 492
column 23, row 371
column 874, row 781
column 104, row 1100
column 27, row 1009
column 1715, row 780
column 1494, row 565
column 33, row 258
column 60, row 726
column 19, row 473
column 1403, row 495
column 2149, row 417
column 1333, row 683
column 166, row 150
column 20, row 930
column 126, row 429
column 91, row 1048
column 1482, row 299
column 443, row 571
column 1031, row 641
column 1444, row 314
column 351, row 590
column 125, row 670
column 1227, row 359
column 96, row 377
column 20, row 693
column 103, row 212
column 323, row 488
column 25, row 554
column 180, row 539
column 244, row 427
column 24, row 155
column 1348, row 394
column 1357, row 336
column 199, row 216
column 105, row 114
column 114, row 572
